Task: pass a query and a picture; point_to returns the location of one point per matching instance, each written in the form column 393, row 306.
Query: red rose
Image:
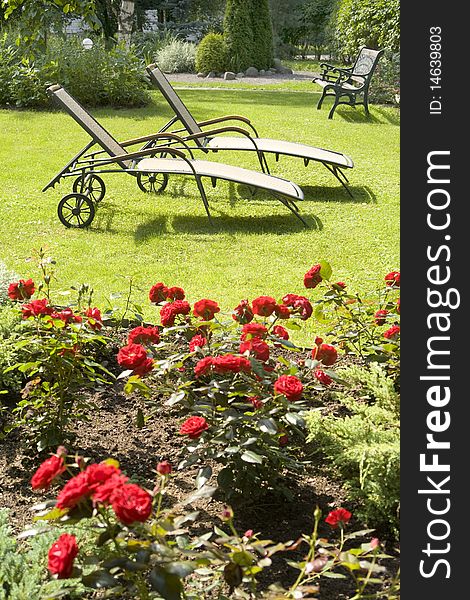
column 338, row 516
column 380, row 317
column 158, row 293
column 164, row 468
column 299, row 304
column 280, row 332
column 132, row 356
column 243, row 313
column 283, row 440
column 392, row 333
column 323, row 377
column 253, row 330
column 282, row 311
column 21, row 290
column 198, row 341
column 36, row 308
column 325, row 353
column 255, row 401
column 259, row 348
column 205, row 309
column 105, row 490
column 175, row 293
column 98, row 473
column 193, row 427
column 289, row 386
column 68, row 316
column 145, row 367
column 47, row 472
column 94, row 318
column 339, row 285
column 312, row 277
column 143, row 335
column 131, row 503
column 73, row 491
column 203, row 366
column 230, row 363
column 61, row 555
column 264, row 306
column 392, row 279
column 169, row 311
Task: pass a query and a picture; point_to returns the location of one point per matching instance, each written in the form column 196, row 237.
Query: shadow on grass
column 318, row 193
column 379, row 115
column 225, row 224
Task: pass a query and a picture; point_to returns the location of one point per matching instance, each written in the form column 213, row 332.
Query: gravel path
column 265, row 79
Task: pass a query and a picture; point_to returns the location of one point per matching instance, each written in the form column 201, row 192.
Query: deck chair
column 150, row 166
column 217, row 139
column 349, row 86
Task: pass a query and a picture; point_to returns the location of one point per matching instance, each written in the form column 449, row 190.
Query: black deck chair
column 215, row 140
column 150, row 166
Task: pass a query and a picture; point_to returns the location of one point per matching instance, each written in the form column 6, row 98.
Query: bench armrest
column 334, row 74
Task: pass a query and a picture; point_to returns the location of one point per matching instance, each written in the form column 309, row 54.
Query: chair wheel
column 76, row 210
column 153, row 183
column 90, row 185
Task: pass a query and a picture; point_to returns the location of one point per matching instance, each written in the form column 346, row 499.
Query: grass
column 256, row 247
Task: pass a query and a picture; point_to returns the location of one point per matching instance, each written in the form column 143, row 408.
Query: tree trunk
column 125, row 21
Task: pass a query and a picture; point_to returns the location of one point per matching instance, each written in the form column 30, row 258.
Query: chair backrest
column 88, row 123
column 366, row 62
column 158, row 78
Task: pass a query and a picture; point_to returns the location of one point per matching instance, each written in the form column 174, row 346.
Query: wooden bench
column 349, row 86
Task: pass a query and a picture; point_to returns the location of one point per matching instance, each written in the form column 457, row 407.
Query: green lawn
column 256, row 247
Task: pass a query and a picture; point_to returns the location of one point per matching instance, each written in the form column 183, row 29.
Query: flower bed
column 234, row 391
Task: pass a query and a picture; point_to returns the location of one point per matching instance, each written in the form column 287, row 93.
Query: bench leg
column 320, row 102
column 333, row 108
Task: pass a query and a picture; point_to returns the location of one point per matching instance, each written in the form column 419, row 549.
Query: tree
column 34, row 19
column 373, row 23
column 126, row 22
column 316, row 19
column 238, row 33
column 262, row 49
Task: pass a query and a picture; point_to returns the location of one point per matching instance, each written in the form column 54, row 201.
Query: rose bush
column 132, row 544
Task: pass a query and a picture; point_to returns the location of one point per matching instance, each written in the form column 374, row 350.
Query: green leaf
column 140, row 420
column 332, row 575
column 326, row 270
column 251, row 457
column 175, row 398
column 166, row 584
column 243, row 558
column 99, row 579
column 225, row 478
column 267, row 426
column 52, row 515
column 203, row 476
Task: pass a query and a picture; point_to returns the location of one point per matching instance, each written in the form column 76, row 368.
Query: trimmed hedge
column 212, row 54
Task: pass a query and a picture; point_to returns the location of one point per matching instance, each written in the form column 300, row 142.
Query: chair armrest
column 138, row 154
column 226, row 129
column 230, row 118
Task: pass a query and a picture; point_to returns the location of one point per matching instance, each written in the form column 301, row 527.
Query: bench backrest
column 88, row 123
column 365, row 64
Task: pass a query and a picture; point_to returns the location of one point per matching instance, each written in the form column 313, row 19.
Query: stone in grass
column 251, row 72
column 277, row 63
column 240, row 75
column 229, row 75
column 210, row 75
column 272, row 71
column 285, row 71
column 262, row 72
column 201, row 75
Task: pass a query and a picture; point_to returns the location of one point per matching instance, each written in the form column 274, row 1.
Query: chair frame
column 346, row 84
column 193, row 131
column 88, row 165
